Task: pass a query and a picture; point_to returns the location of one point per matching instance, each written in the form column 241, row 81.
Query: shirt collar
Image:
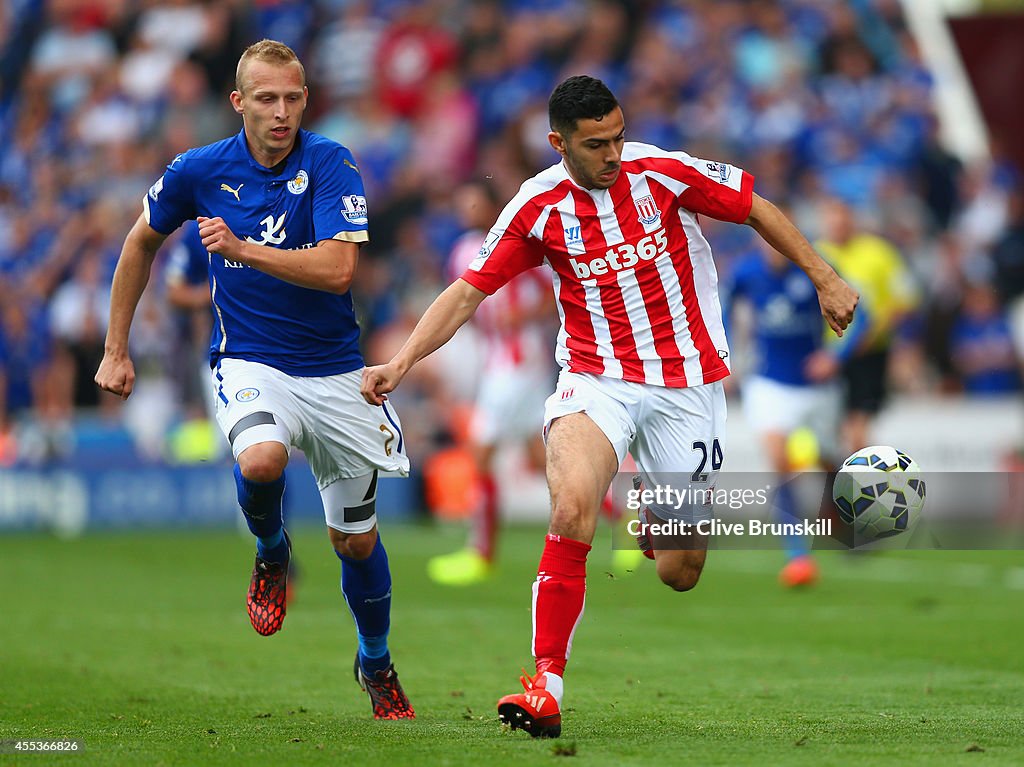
column 291, row 162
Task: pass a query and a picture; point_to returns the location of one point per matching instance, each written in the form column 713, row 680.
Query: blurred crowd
column 819, row 99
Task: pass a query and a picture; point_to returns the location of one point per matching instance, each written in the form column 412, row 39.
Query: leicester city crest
column 647, row 209
column 298, row 184
column 247, row 394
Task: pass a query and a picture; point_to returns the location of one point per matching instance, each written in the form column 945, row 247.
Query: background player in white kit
column 642, row 344
column 282, row 212
column 515, row 327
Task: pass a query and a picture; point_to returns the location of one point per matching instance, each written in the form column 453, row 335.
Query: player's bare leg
column 577, row 488
column 259, row 479
column 680, row 569
column 354, row 545
column 263, row 462
column 679, row 557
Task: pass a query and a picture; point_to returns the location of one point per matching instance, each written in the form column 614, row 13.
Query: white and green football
column 879, row 492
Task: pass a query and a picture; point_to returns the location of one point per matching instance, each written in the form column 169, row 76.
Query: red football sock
column 485, row 520
column 558, row 596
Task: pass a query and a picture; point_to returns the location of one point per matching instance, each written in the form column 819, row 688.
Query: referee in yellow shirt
column 877, row 271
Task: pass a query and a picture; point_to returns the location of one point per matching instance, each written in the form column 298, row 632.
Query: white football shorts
column 674, row 434
column 510, row 405
column 346, row 440
column 772, row 406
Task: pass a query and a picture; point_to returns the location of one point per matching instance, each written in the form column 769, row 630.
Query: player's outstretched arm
column 328, row 266
column 116, row 372
column 436, row 327
column 838, row 300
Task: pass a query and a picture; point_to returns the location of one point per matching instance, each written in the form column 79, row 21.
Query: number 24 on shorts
column 716, row 459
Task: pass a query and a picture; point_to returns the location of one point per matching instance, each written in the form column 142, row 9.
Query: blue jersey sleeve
column 339, row 202
column 170, row 200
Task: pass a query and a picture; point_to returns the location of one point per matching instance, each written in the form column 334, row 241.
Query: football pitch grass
column 138, row 644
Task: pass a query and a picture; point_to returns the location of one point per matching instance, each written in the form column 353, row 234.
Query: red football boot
column 800, row 571
column 534, row 710
column 387, row 697
column 267, row 600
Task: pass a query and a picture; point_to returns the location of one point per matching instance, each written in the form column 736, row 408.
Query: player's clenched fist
column 116, row 374
column 218, row 238
column 838, row 302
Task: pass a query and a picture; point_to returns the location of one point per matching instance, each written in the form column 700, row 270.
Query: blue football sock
column 786, row 512
column 261, row 505
column 366, row 584
column 273, row 548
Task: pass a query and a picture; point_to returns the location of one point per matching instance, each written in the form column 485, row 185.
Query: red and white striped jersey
column 634, row 281
column 525, row 341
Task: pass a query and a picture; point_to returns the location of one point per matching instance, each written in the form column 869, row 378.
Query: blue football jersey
column 315, row 194
column 788, row 326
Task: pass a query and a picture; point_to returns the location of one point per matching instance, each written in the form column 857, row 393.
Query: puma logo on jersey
column 226, row 188
column 273, row 231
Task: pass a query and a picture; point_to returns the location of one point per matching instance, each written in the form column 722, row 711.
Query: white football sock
column 553, row 684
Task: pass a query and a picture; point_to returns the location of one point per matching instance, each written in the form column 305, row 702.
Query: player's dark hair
column 579, row 97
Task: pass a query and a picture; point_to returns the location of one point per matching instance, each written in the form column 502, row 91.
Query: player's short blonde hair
column 270, row 51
